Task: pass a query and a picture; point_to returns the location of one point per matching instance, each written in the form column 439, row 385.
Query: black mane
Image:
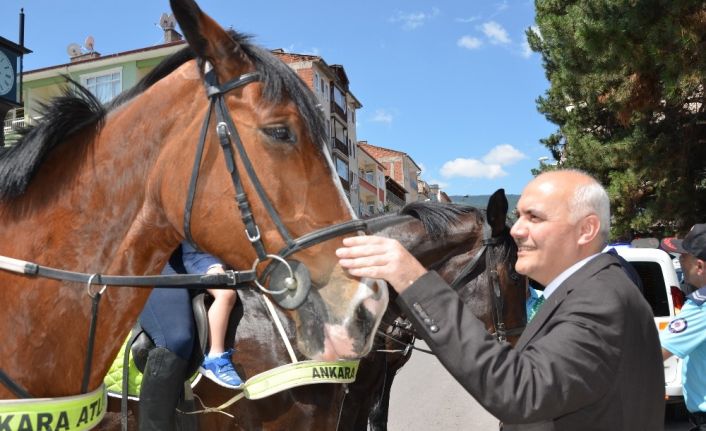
column 77, row 109
column 436, row 217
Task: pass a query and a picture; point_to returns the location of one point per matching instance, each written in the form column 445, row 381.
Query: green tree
column 627, row 94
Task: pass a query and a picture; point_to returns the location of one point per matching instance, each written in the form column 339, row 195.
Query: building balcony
column 335, row 109
column 339, row 145
column 364, row 184
column 395, row 201
column 13, row 124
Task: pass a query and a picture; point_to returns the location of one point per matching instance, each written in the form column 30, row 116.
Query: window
column 340, row 132
column 342, row 168
column 316, row 81
column 339, row 98
column 105, row 85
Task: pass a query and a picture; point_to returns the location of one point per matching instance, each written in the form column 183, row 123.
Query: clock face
column 7, row 74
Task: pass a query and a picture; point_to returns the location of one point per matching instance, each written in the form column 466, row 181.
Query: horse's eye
column 280, row 133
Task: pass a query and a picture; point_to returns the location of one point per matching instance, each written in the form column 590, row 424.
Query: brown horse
column 444, row 237
column 96, row 189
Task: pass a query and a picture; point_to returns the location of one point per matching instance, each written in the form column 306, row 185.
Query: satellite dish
column 74, row 50
column 89, row 43
column 167, row 21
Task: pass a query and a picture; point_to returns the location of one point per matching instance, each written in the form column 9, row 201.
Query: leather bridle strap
column 16, row 389
column 371, row 225
column 471, row 265
column 500, row 332
column 191, row 281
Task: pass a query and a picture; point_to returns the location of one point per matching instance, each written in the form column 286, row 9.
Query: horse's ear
column 208, row 39
column 497, row 211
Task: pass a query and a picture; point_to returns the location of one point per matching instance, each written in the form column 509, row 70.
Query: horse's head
column 277, row 183
column 475, row 254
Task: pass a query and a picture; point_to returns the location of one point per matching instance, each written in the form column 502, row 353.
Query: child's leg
column 218, row 316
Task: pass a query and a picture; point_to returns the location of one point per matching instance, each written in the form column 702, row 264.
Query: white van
column 661, row 289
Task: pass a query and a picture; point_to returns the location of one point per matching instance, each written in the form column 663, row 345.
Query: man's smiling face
column 545, row 232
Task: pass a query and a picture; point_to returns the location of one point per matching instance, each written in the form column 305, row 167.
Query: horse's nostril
column 377, row 287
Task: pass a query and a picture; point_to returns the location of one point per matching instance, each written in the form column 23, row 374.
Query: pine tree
column 627, row 94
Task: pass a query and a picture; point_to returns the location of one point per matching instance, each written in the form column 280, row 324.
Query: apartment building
column 105, row 76
column 331, row 85
column 399, row 166
column 371, row 178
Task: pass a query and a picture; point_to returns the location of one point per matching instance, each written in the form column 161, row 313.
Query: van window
column 655, row 290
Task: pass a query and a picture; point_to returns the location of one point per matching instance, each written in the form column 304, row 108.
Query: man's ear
column 589, row 227
column 700, row 267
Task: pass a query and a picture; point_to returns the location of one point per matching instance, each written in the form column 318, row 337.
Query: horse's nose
column 373, row 295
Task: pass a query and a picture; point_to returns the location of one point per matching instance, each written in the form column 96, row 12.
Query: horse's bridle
column 488, row 243
column 291, row 274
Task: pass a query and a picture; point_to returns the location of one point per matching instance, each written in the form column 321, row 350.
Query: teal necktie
column 535, row 307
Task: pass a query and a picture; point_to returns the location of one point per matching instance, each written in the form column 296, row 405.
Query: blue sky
column 451, row 83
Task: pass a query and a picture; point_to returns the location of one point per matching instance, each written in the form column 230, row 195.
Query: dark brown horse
column 96, row 189
column 444, row 237
column 451, row 244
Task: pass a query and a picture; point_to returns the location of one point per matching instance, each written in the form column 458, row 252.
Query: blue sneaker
column 220, row 370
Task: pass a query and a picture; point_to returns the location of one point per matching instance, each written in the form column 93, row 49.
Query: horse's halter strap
column 501, row 333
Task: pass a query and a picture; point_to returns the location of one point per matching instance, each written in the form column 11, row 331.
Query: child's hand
column 215, row 269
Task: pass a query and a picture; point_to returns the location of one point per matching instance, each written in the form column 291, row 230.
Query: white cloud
column 499, row 7
column 469, row 42
column 490, row 166
column 495, row 32
column 468, row 20
column 471, row 168
column 382, row 116
column 526, row 50
column 413, row 20
column 504, row 154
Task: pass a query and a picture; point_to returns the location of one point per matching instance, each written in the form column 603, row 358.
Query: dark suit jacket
column 589, row 360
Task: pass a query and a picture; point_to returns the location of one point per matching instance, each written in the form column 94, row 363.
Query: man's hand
column 378, row 257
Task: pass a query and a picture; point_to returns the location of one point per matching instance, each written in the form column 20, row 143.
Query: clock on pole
column 10, row 76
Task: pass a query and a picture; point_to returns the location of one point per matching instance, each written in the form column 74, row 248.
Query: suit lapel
column 576, row 280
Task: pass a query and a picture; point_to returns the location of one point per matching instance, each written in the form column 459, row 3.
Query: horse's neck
column 88, row 209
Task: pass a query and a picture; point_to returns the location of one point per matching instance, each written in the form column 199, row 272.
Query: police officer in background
column 685, row 336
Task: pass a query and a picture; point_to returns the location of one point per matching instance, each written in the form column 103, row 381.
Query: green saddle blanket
column 114, row 379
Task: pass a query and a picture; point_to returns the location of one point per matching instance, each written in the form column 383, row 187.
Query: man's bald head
column 582, row 193
column 563, row 218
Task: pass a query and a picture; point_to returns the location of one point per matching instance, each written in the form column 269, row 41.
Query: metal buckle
column 256, row 237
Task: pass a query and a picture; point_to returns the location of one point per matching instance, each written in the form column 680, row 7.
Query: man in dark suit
column 590, row 359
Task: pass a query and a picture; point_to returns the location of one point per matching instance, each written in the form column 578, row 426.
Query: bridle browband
column 488, row 243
